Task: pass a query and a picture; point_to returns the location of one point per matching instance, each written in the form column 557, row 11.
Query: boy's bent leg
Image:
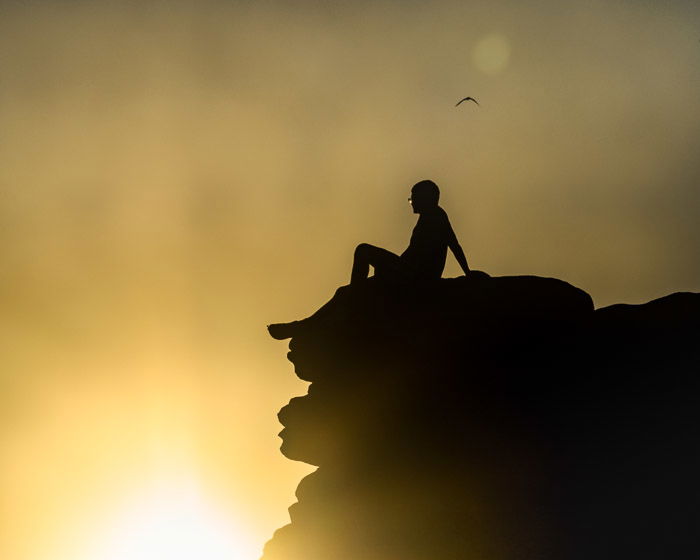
column 366, row 255
column 385, row 263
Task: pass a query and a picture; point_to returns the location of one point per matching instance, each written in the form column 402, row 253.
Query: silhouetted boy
column 425, row 257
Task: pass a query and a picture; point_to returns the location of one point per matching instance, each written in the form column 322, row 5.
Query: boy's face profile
column 412, row 201
column 420, row 200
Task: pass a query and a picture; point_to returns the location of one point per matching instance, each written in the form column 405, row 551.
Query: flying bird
column 468, row 99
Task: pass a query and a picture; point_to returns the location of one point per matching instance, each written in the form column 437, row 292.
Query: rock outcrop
column 494, row 419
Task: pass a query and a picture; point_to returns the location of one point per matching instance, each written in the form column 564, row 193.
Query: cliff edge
column 493, row 418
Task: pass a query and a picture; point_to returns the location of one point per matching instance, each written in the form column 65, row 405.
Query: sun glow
column 173, row 522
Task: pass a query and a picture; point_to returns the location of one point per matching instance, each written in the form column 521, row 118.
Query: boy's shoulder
column 434, row 216
column 441, row 214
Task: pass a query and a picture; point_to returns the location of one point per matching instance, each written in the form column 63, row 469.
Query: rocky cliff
column 493, row 419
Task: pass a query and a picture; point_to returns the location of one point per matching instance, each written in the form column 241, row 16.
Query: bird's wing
column 467, row 99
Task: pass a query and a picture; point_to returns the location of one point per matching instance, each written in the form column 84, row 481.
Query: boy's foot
column 280, row 331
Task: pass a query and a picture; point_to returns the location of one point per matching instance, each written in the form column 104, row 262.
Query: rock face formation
column 494, row 419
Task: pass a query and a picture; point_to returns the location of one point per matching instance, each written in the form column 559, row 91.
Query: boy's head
column 424, row 196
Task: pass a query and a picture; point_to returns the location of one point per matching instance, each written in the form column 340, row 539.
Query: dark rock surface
column 494, row 419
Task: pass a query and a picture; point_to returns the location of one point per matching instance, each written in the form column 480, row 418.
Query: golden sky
column 176, row 175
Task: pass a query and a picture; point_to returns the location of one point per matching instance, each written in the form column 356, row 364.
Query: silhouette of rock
column 493, row 418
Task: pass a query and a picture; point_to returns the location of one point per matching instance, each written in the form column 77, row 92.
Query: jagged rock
column 493, row 418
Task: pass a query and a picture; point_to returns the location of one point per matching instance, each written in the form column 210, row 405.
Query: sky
column 176, row 175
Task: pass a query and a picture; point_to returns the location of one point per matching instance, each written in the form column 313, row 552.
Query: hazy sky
column 176, row 175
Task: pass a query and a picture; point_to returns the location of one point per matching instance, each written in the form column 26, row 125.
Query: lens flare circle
column 492, row 53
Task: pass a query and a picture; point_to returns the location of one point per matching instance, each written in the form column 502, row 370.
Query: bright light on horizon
column 172, row 522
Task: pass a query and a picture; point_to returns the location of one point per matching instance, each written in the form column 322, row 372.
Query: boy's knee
column 362, row 248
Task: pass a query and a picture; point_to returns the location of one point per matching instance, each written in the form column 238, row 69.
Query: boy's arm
column 459, row 255
column 457, row 251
